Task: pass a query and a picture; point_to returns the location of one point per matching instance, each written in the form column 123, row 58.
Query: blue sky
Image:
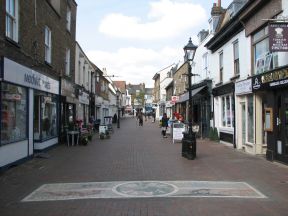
column 133, row 39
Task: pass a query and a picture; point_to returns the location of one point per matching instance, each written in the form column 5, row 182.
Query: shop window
column 13, row 113
column 45, row 116
column 12, row 19
column 250, row 119
column 227, row 103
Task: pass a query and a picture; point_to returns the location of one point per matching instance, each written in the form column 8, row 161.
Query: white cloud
column 135, row 65
column 166, row 18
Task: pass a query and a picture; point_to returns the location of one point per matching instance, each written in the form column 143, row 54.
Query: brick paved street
column 136, row 153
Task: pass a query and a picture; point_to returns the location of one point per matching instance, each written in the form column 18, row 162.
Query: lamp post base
column 189, row 145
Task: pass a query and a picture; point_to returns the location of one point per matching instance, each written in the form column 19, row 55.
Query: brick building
column 37, row 43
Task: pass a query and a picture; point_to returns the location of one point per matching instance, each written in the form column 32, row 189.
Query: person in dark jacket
column 164, row 125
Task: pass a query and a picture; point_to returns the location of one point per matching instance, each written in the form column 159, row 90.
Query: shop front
column 245, row 121
column 271, row 89
column 224, row 112
column 68, row 107
column 83, row 108
column 29, row 112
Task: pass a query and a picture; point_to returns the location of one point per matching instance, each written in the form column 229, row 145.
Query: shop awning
column 185, row 96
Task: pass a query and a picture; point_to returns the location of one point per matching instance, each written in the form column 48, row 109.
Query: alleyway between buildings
column 137, row 172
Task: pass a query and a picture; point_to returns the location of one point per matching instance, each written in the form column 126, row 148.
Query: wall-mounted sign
column 243, row 87
column 273, row 79
column 174, row 98
column 19, row 74
column 278, row 37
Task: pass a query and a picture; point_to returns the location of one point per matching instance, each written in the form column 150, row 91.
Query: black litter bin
column 189, row 145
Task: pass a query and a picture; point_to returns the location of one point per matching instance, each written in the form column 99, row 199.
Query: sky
column 135, row 39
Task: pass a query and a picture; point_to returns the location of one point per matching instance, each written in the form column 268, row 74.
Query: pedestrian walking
column 140, row 118
column 164, row 125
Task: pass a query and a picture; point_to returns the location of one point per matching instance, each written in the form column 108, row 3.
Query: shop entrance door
column 282, row 126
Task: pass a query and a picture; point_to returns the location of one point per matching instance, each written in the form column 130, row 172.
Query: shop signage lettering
column 243, row 87
column 22, row 75
column 271, row 79
column 32, row 79
column 36, row 80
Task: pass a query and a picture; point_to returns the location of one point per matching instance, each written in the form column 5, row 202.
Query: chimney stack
column 219, row 3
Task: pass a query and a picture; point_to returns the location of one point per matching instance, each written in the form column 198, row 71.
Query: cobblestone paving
column 136, row 189
column 145, row 171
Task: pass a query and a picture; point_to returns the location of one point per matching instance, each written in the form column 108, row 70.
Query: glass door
column 282, row 126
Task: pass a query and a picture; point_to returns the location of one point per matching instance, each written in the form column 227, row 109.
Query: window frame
column 224, row 114
column 13, row 31
column 67, row 62
column 48, row 45
column 236, row 58
column 256, row 39
column 221, row 66
column 68, row 19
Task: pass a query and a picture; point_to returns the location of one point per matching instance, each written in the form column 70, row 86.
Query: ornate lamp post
column 189, row 139
column 118, row 93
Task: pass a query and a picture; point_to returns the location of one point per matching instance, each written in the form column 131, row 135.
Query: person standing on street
column 164, row 125
column 140, row 118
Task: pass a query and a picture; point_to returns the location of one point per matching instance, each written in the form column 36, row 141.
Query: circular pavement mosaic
column 145, row 189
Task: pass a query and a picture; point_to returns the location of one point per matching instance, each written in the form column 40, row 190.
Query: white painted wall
column 228, row 59
column 13, row 152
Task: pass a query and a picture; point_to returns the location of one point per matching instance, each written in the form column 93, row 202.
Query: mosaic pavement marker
column 141, row 189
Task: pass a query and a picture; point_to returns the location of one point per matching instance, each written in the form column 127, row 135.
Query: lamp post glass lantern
column 118, row 93
column 189, row 138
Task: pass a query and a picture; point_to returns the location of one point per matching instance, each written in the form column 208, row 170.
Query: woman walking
column 164, row 125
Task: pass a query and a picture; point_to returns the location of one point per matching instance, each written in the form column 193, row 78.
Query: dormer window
column 213, row 23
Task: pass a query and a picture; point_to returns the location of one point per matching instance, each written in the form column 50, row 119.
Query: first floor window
column 45, row 116
column 12, row 19
column 13, row 113
column 67, row 62
column 48, row 45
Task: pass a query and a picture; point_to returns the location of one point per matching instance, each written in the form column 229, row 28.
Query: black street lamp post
column 118, row 107
column 189, row 138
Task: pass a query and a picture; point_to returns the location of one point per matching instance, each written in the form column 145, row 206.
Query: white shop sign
column 243, row 87
column 22, row 75
column 178, row 129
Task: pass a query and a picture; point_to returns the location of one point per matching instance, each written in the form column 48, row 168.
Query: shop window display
column 13, row 113
column 45, row 116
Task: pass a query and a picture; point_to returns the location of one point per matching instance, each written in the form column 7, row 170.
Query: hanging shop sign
column 174, row 98
column 84, row 98
column 278, row 37
column 272, row 79
column 19, row 74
